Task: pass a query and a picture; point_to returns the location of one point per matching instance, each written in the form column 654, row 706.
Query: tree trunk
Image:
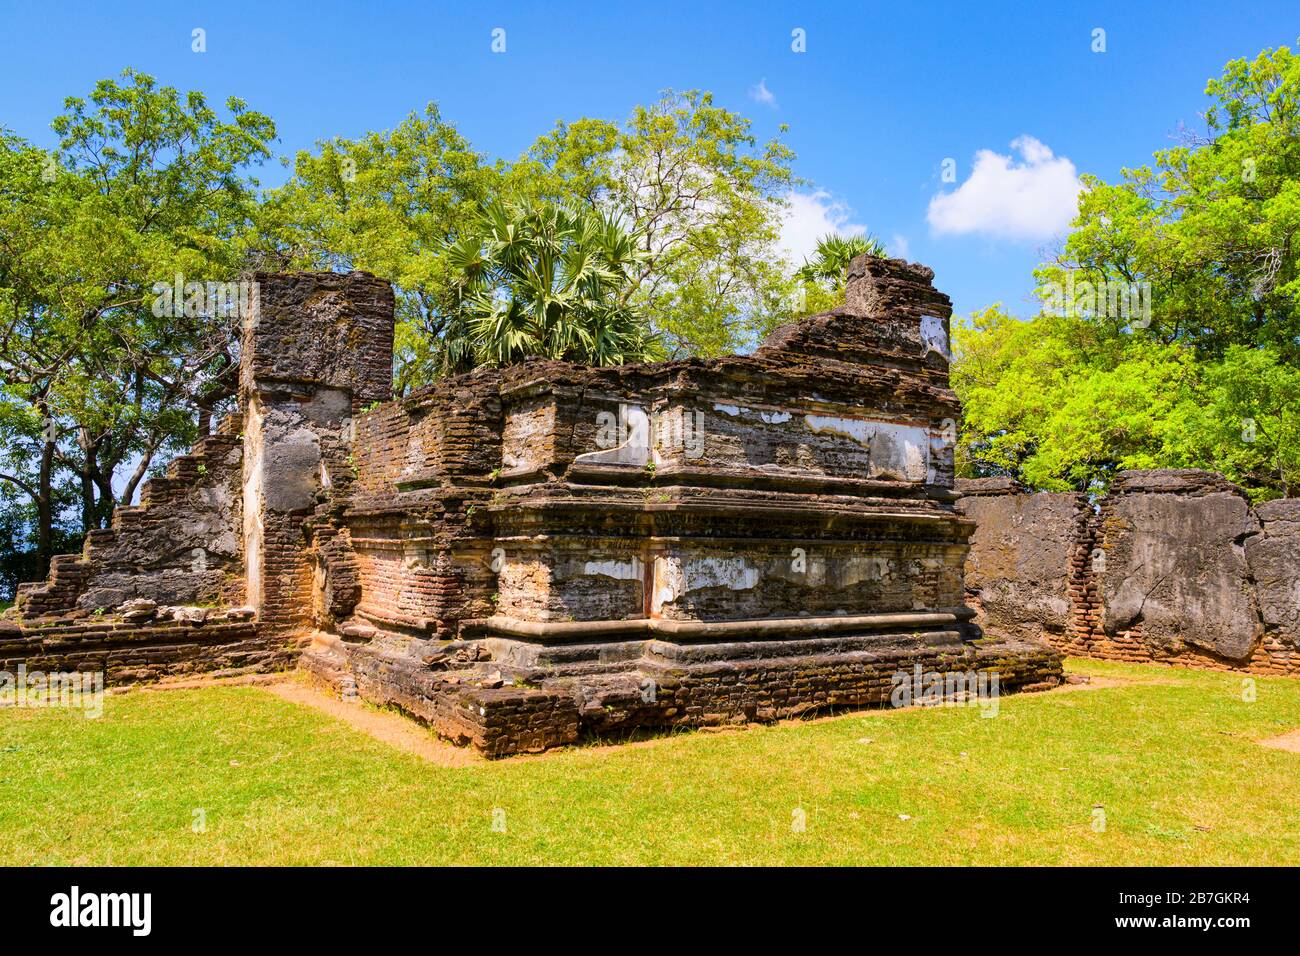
column 45, row 512
column 107, row 502
column 45, row 496
column 87, row 476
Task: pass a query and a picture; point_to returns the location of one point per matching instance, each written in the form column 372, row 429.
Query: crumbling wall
column 1171, row 566
column 512, row 555
column 747, row 537
column 179, row 546
column 1169, row 559
column 315, row 353
column 416, row 518
column 252, row 514
column 1273, row 557
column 132, row 651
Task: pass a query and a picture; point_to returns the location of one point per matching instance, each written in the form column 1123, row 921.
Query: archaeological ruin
column 525, row 556
column 1171, row 566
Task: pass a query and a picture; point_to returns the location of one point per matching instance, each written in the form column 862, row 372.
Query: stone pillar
column 316, row 350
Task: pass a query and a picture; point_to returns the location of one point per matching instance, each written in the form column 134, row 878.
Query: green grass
column 1172, row 761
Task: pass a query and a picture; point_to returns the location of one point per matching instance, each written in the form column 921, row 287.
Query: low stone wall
column 496, row 720
column 1171, row 566
column 127, row 653
column 1019, row 571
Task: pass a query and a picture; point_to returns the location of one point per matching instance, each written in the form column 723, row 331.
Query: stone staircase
column 70, row 573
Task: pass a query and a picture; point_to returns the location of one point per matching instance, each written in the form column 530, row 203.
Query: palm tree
column 830, row 261
column 544, row 280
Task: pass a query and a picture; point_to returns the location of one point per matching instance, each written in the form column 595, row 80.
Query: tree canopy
column 685, row 177
column 611, row 241
column 147, row 184
column 1205, row 375
column 545, row 280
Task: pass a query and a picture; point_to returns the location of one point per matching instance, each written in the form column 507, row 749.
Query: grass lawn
column 1168, row 755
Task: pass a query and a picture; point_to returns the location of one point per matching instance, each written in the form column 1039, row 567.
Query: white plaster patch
column 630, row 570
column 843, row 571
column 636, row 450
column 253, row 480
column 736, row 411
column 674, row 578
column 734, row 573
column 933, row 336
column 669, row 581
column 899, row 450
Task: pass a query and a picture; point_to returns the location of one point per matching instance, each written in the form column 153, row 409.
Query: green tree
column 1062, row 402
column 390, row 203
column 146, row 184
column 705, row 198
column 1203, row 374
column 824, row 275
column 545, row 280
column 687, row 177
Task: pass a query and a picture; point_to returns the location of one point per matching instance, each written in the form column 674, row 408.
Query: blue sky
column 883, row 95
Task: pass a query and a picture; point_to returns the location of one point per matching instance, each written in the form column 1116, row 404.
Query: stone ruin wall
column 418, row 548
column 765, row 535
column 424, row 465
column 540, row 422
column 522, row 579
column 180, row 545
column 438, row 472
column 216, row 569
column 1172, row 566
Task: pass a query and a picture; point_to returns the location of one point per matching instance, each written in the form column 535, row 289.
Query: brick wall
column 1172, row 566
column 316, row 352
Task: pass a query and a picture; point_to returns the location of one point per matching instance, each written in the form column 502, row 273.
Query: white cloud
column 1033, row 199
column 898, row 247
column 810, row 216
column 762, row 94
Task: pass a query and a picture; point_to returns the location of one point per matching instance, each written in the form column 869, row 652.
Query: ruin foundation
column 525, row 556
column 1172, row 566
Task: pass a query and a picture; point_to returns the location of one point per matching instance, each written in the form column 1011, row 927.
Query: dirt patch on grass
column 392, row 729
column 1289, row 741
column 1099, row 683
column 208, row 680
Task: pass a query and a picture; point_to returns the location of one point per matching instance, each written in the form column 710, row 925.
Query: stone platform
column 473, row 693
column 550, row 551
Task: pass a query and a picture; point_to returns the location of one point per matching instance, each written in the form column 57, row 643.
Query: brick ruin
column 1172, row 566
column 523, row 556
